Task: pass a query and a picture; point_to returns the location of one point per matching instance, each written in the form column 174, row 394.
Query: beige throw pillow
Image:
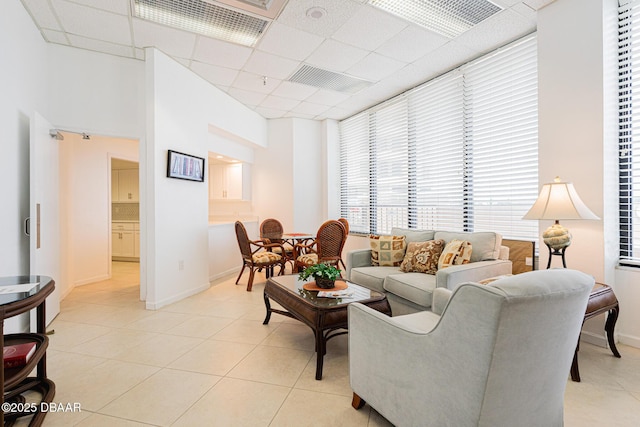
column 387, row 250
column 422, row 257
column 457, row 252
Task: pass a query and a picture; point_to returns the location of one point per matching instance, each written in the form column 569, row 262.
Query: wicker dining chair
column 326, row 247
column 257, row 254
column 346, row 227
column 271, row 232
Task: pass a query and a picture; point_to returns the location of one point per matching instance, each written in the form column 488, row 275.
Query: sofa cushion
column 372, row 277
column 457, row 252
column 412, row 235
column 486, row 244
column 422, row 257
column 387, row 250
column 415, row 287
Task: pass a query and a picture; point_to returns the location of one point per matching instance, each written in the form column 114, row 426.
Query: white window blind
column 501, row 125
column 456, row 153
column 629, row 129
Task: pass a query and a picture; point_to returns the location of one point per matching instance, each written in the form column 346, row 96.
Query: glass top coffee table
column 327, row 317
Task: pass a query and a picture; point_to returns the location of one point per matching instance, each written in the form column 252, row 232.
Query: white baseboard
column 175, row 298
column 595, row 339
column 229, row 272
column 91, row 280
column 629, row 340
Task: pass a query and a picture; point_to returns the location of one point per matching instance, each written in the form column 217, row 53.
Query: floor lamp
column 558, row 200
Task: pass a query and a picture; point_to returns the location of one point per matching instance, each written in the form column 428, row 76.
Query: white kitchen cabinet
column 125, row 185
column 125, row 240
column 230, row 181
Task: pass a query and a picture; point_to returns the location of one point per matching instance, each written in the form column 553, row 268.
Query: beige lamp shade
column 558, row 200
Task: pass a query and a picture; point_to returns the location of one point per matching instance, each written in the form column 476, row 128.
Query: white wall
column 577, row 128
column 23, row 75
column 181, row 106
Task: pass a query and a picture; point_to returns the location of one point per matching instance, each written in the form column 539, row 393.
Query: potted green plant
column 325, row 275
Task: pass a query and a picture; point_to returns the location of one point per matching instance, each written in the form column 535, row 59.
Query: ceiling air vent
column 328, row 80
column 447, row 17
column 204, row 18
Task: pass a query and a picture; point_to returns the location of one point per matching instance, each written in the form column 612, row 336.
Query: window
column 457, row 153
column 629, row 129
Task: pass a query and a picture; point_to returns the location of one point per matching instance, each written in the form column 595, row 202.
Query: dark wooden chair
column 326, row 247
column 257, row 254
column 271, row 232
column 346, row 227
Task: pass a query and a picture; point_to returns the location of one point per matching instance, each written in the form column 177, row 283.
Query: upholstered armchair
column 499, row 354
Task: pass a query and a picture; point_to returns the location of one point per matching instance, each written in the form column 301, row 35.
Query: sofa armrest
column 455, row 275
column 440, row 300
column 357, row 258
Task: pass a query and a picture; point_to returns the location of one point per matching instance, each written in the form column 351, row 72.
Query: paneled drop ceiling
column 350, row 54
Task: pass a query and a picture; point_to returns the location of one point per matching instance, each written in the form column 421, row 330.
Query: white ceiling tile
column 496, row 31
column 327, row 97
column 171, row 41
column 310, row 108
column 410, row 76
column 214, row 74
column 337, row 13
column 266, row 64
column 369, row 29
column 445, row 58
column 289, row 42
column 375, row 67
column 298, row 115
column 538, row 4
column 526, row 11
column 93, row 23
column 217, row 52
column 255, row 83
column 505, row 4
column 279, row 103
column 293, row 90
column 336, row 113
column 247, row 97
column 358, row 102
column 411, row 43
column 42, row 14
column 55, row 36
column 115, row 6
column 270, row 113
column 101, row 46
column 185, row 62
column 336, row 56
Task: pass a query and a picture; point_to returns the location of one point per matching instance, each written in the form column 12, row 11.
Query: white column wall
column 180, row 108
column 576, row 128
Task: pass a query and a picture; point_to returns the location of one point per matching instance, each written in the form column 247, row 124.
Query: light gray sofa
column 498, row 356
column 412, row 292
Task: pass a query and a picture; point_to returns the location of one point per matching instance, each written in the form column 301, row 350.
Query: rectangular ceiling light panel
column 204, row 18
column 328, row 80
column 447, row 17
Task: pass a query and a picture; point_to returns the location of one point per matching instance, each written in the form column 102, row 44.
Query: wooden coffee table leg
column 267, row 304
column 321, row 344
column 609, row 327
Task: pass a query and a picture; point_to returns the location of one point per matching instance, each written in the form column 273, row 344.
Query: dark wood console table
column 18, row 295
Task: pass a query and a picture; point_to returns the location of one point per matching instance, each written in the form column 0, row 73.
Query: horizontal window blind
column 457, row 153
column 629, row 130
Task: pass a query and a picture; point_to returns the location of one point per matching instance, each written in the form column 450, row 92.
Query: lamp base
column 558, row 252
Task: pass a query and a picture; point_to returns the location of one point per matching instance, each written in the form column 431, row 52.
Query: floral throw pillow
column 422, row 257
column 457, row 252
column 387, row 250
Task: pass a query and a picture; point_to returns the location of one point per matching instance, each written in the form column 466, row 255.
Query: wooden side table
column 601, row 300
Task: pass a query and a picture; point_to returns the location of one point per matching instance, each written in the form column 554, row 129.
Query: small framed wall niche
column 185, row 166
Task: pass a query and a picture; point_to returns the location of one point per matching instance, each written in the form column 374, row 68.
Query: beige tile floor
column 209, row 361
